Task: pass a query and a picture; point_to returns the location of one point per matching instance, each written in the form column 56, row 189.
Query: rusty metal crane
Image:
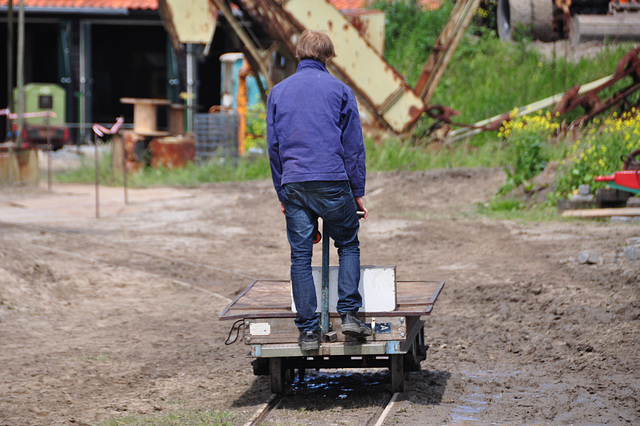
column 269, row 29
column 382, row 91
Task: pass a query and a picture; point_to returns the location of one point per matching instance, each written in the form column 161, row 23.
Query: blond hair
column 315, row 45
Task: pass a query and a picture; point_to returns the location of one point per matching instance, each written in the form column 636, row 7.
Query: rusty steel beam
column 382, row 91
column 628, row 66
column 285, row 29
column 258, row 60
column 601, row 106
column 445, row 46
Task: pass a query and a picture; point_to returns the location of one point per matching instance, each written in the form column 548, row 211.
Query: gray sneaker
column 353, row 326
column 309, row 340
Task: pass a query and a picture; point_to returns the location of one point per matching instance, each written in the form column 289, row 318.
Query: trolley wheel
column 277, row 375
column 397, row 373
column 417, row 352
column 410, row 360
column 260, row 366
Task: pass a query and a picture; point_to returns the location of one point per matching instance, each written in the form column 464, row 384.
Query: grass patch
column 505, row 205
column 100, row 358
column 505, row 75
column 395, row 154
column 486, row 76
column 217, row 170
column 392, row 154
column 513, row 209
column 182, row 417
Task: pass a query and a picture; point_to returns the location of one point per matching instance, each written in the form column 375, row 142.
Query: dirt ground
column 116, row 319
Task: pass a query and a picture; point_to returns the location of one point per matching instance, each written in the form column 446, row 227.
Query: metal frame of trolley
column 265, row 319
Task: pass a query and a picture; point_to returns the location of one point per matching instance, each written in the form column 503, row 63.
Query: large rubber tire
column 542, row 17
column 513, row 14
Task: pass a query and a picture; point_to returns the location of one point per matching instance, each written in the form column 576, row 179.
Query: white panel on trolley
column 377, row 287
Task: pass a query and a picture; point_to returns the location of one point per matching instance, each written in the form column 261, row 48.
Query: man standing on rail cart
column 317, row 159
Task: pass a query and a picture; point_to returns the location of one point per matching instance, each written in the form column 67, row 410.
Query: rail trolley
column 265, row 311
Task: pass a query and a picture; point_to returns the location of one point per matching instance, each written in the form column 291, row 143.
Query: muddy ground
column 116, row 319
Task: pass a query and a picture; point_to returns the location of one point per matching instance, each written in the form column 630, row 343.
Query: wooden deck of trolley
column 264, row 309
column 272, row 299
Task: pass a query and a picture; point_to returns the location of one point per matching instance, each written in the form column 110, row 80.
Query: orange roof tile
column 92, row 4
column 349, row 4
column 362, row 4
column 153, row 4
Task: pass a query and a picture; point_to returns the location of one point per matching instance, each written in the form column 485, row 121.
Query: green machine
column 39, row 98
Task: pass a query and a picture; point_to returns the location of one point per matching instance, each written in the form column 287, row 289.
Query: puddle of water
column 345, row 382
column 471, row 406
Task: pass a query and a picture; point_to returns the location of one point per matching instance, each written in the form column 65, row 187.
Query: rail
column 377, row 418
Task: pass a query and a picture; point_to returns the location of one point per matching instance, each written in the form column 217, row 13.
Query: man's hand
column 361, row 207
column 282, row 206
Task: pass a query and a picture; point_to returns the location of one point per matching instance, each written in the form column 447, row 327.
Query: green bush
column 256, row 138
column 525, row 139
column 598, row 151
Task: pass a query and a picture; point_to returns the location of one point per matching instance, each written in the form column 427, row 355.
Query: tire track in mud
column 180, row 271
column 120, row 265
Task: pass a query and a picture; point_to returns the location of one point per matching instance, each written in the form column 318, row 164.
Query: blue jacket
column 314, row 131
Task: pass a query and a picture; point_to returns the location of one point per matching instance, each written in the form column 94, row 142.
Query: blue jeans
column 332, row 201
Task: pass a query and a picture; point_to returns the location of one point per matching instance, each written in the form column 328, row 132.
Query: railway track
column 377, row 418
